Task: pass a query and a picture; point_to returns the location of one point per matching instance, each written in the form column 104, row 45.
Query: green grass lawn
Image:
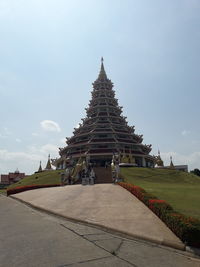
column 2, row 191
column 47, row 177
column 180, row 189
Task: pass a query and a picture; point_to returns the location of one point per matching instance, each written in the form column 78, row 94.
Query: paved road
column 32, row 238
column 106, row 205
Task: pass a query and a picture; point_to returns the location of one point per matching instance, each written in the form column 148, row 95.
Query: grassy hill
column 180, row 189
column 47, row 177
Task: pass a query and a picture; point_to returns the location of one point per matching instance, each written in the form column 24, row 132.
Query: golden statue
column 124, row 158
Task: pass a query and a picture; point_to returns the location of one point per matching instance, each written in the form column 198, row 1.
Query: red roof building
column 11, row 177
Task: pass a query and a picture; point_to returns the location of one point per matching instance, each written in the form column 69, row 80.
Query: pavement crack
column 71, row 264
column 93, row 242
column 97, row 234
column 117, row 250
column 73, row 231
column 102, row 239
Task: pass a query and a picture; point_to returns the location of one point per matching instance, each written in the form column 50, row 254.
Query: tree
column 196, row 172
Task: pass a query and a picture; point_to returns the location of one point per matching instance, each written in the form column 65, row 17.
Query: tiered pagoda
column 104, row 131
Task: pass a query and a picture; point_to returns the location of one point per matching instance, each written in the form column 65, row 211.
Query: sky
column 50, row 53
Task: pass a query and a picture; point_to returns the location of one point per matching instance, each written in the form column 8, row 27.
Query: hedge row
column 186, row 228
column 28, row 187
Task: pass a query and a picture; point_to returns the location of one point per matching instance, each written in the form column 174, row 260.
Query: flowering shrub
column 186, row 228
column 159, row 207
column 28, row 187
column 138, row 192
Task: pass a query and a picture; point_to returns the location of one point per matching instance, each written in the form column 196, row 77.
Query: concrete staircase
column 103, row 175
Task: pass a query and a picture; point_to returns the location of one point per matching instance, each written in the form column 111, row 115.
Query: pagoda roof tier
column 110, row 111
column 99, row 84
column 104, row 87
column 106, row 131
column 112, row 132
column 102, row 82
column 110, row 154
column 95, row 120
column 108, row 94
column 90, row 145
column 108, row 99
column 104, row 114
column 103, row 105
column 105, row 152
column 87, row 124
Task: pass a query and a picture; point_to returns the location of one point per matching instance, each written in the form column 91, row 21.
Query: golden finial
column 102, row 73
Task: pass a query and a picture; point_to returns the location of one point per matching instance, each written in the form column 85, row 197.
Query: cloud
column 27, row 161
column 50, row 126
column 185, row 132
column 63, row 141
column 6, row 155
column 6, row 133
column 2, row 136
column 49, row 149
column 35, row 134
column 18, row 140
column 44, row 150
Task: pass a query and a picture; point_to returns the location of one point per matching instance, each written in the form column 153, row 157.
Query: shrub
column 186, row 228
column 159, row 207
column 19, row 189
column 147, row 197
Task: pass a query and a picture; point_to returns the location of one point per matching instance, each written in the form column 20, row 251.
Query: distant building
column 11, row 177
column 160, row 164
column 180, row 167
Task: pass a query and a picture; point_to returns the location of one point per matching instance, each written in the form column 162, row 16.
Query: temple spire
column 48, row 166
column 159, row 161
column 102, row 73
column 40, row 168
column 171, row 163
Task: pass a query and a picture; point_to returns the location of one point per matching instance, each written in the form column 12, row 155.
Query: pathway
column 30, row 238
column 106, row 205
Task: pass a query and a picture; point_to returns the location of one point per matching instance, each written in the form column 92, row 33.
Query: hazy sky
column 50, row 54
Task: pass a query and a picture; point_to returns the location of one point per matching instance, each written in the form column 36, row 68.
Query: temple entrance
column 101, row 162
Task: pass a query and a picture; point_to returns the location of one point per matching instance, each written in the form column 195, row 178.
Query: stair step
column 103, row 175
